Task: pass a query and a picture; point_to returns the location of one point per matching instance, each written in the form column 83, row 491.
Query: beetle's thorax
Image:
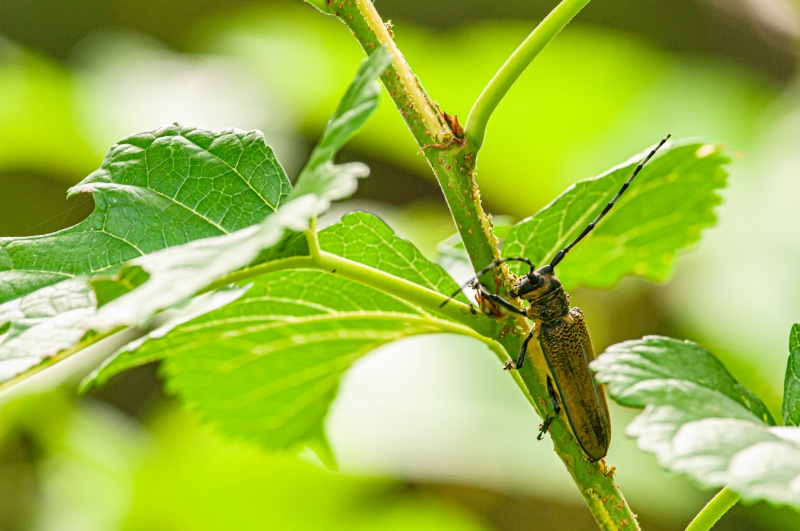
column 548, row 300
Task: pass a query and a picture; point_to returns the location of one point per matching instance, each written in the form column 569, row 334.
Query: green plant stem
column 453, row 161
column 713, row 511
column 512, row 69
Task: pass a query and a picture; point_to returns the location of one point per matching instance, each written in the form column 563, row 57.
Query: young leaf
column 663, row 211
column 154, row 190
column 699, row 421
column 357, row 105
column 791, row 385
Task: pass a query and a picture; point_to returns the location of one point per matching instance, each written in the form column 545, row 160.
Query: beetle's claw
column 544, row 427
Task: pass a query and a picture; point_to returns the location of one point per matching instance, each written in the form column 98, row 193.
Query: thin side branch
column 504, row 79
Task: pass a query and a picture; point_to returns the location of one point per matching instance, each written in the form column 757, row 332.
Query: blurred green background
column 428, row 432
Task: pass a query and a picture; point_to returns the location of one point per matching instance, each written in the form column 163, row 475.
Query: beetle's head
column 536, row 283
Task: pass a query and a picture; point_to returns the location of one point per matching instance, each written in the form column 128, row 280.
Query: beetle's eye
column 528, row 284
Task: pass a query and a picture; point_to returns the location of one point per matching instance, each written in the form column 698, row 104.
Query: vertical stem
column 451, row 159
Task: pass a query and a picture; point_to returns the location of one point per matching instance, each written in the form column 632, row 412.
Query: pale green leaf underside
column 699, row 421
column 43, row 323
column 154, row 190
column 791, row 386
column 663, row 211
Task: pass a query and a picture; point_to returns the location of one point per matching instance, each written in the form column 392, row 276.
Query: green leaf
column 661, row 369
column 142, row 192
column 277, row 370
column 357, row 105
column 665, row 209
column 267, row 366
column 699, row 421
column 52, row 319
column 177, row 273
column 154, row 190
column 791, row 385
column 367, row 239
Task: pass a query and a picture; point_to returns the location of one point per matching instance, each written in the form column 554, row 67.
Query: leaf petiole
column 713, row 511
column 512, row 69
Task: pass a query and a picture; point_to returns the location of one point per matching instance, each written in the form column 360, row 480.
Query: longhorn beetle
column 563, row 337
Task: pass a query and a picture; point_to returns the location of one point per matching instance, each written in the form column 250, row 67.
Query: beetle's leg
column 543, row 427
column 556, row 406
column 553, row 396
column 498, row 299
column 521, row 359
column 486, row 270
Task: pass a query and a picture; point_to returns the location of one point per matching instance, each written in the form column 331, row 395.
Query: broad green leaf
column 666, row 207
column 357, row 105
column 296, row 331
column 154, row 190
column 267, row 366
column 277, row 368
column 179, row 272
column 214, row 166
column 791, row 385
column 699, row 421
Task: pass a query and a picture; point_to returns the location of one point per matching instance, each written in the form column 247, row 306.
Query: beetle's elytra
column 561, row 335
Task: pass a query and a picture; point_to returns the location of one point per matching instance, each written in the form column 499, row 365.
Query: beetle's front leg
column 508, row 305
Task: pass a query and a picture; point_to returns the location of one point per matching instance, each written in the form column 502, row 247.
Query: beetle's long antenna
column 563, row 252
column 485, row 270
